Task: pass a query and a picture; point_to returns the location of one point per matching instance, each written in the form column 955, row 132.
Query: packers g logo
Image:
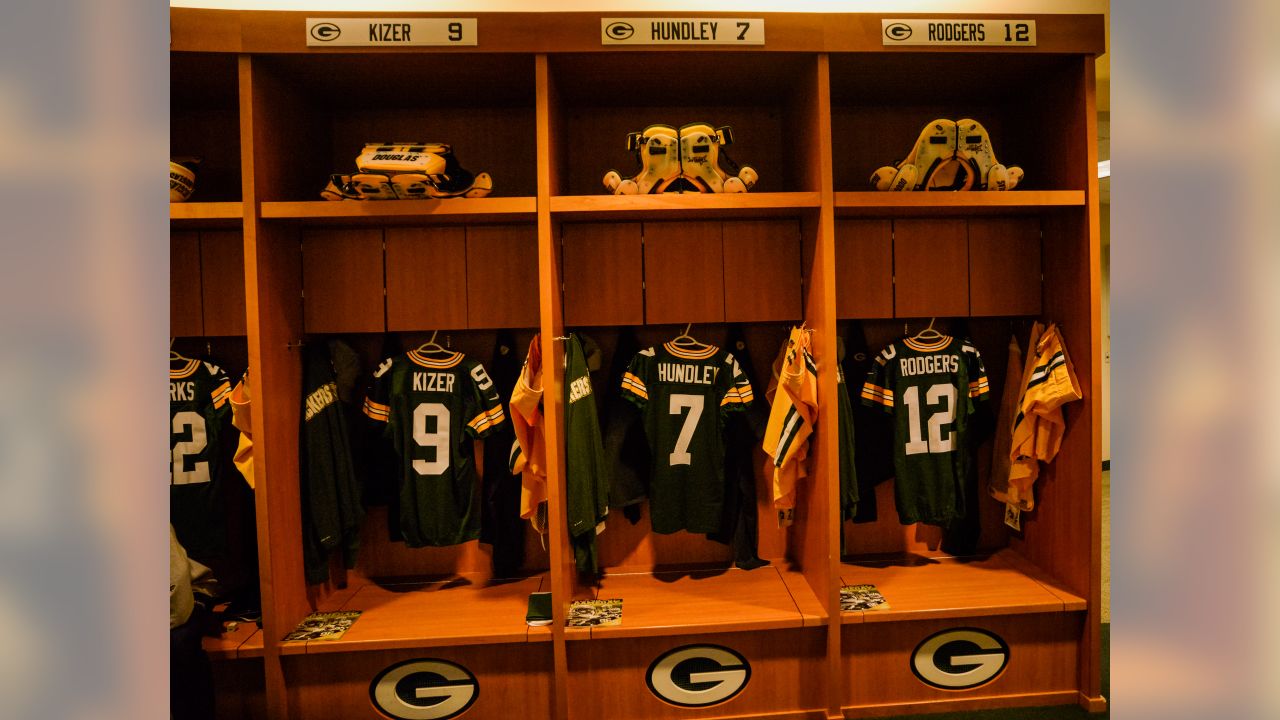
column 424, row 690
column 897, row 31
column 960, row 658
column 619, row 30
column 698, row 675
column 325, row 32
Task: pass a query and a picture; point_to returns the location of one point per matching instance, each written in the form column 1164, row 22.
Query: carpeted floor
column 1068, row 712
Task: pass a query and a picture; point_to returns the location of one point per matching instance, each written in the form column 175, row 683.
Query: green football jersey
column 931, row 388
column 684, row 396
column 433, row 407
column 198, row 412
column 848, row 471
column 586, row 472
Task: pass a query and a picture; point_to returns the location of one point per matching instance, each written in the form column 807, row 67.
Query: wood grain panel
column 603, row 276
column 864, row 269
column 342, row 276
column 426, row 278
column 185, row 294
column 502, row 277
column 931, row 268
column 762, row 270
column 222, row 271
column 336, row 685
column 240, row 692
column 607, row 677
column 877, row 658
column 1004, row 266
column 683, row 273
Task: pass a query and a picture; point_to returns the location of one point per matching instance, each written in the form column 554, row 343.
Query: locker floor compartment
column 919, row 588
column 243, row 642
column 452, row 612
column 709, row 601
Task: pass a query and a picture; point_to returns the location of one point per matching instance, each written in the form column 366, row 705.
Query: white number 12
column 694, row 403
column 942, row 393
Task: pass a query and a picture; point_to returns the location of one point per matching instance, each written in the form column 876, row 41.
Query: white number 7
column 681, row 455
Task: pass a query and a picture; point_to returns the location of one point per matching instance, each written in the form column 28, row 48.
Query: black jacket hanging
column 500, row 524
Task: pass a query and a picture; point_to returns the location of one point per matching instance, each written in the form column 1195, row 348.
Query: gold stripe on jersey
column 979, row 387
column 376, row 410
column 487, row 419
column 435, row 363
column 691, row 354
column 635, row 385
column 927, row 346
column 737, row 395
column 185, row 371
column 875, row 393
column 221, row 393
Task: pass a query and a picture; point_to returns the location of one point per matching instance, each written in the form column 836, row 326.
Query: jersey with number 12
column 433, row 407
column 684, row 396
column 930, row 388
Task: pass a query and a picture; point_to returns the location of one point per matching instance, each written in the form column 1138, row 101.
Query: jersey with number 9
column 930, row 388
column 433, row 408
column 684, row 396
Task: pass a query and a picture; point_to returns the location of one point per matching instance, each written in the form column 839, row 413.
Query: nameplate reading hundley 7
column 681, row 31
column 1011, row 33
column 390, row 32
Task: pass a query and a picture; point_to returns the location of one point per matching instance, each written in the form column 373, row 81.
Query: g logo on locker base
column 425, row 689
column 695, row 676
column 960, row 658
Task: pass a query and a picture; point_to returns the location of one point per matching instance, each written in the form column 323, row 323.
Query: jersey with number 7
column 433, row 407
column 684, row 396
column 931, row 388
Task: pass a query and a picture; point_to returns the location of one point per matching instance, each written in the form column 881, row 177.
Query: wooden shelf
column 708, row 601
column 243, row 642
column 919, row 588
column 928, row 204
column 684, row 206
column 206, row 215
column 436, row 614
column 390, row 212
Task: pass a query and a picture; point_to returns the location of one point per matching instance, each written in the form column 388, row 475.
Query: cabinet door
column 864, row 269
column 426, row 278
column 602, row 274
column 1004, row 266
column 683, row 272
column 222, row 279
column 502, row 276
column 762, row 270
column 342, row 281
column 931, row 268
column 184, row 285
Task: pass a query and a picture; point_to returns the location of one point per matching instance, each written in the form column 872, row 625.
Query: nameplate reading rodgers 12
column 681, row 31
column 1010, row 33
column 390, row 32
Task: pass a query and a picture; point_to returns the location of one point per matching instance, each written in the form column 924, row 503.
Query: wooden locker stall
column 545, row 108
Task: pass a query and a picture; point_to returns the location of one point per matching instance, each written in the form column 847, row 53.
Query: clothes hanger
column 174, row 355
column 928, row 333
column 431, row 346
column 684, row 339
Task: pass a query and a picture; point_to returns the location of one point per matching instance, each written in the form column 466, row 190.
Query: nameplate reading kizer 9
column 1010, row 33
column 681, row 31
column 390, row 32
